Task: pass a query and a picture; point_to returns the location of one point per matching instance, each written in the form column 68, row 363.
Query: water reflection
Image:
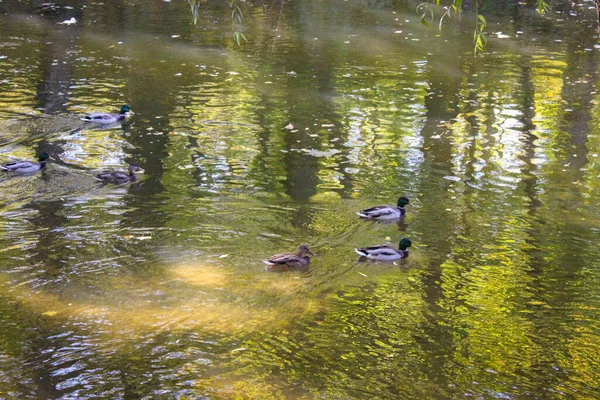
column 157, row 288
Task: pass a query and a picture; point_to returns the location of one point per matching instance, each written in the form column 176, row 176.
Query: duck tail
column 268, row 262
column 3, row 168
column 362, row 214
column 361, row 252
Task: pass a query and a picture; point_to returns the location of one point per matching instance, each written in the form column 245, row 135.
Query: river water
column 157, row 290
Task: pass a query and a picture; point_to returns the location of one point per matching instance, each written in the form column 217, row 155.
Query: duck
column 26, row 167
column 385, row 252
column 385, row 212
column 106, row 118
column 120, row 177
column 284, row 261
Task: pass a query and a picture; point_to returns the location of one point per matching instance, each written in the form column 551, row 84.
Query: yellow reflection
column 243, row 387
column 204, row 276
column 326, row 197
column 189, row 296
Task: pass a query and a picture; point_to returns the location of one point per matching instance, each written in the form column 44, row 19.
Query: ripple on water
column 157, row 289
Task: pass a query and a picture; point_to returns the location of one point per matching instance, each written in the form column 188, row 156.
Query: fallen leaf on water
column 68, row 22
column 239, row 349
column 50, row 313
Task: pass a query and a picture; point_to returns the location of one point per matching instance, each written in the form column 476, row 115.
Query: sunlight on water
column 157, row 288
column 189, row 296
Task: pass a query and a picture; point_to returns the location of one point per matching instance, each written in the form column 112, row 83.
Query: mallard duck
column 120, row 177
column 284, row 261
column 385, row 212
column 385, row 252
column 26, row 167
column 106, row 118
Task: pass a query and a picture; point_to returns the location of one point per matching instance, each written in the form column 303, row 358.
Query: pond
column 157, row 289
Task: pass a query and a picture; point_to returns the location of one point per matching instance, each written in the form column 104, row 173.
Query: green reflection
column 157, row 289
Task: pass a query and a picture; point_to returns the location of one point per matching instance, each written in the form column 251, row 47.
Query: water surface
column 157, row 289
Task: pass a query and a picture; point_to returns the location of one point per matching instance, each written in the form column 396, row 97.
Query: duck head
column 125, row 109
column 304, row 251
column 402, row 201
column 404, row 244
column 134, row 167
column 43, row 156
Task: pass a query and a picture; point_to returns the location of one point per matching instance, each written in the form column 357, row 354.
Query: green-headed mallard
column 284, row 261
column 120, row 177
column 106, row 118
column 26, row 167
column 386, row 212
column 385, row 252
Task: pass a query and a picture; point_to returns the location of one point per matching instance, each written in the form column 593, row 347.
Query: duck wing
column 381, row 251
column 101, row 118
column 21, row 166
column 17, row 164
column 283, row 258
column 114, row 177
column 377, row 212
column 289, row 259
